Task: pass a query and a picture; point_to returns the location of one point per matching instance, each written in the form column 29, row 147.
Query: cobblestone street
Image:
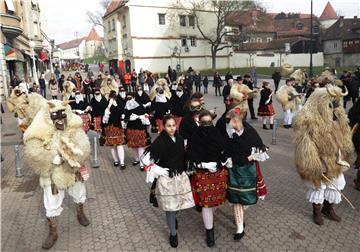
column 123, row 220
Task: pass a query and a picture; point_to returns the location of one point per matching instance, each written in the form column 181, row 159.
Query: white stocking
column 208, row 217
column 271, row 119
column 140, row 151
column 239, row 217
column 136, row 154
column 114, row 155
column 264, row 119
column 121, row 153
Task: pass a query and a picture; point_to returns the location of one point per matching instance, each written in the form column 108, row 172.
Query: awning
column 69, row 56
column 13, row 54
column 42, row 56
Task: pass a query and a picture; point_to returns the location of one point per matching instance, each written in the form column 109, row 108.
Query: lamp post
column 32, row 46
column 311, row 40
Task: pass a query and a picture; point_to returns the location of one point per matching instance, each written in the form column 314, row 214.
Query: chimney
column 341, row 24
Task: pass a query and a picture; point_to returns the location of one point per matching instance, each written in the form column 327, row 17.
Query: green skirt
column 242, row 184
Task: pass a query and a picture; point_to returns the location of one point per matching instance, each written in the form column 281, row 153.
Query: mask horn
column 67, row 102
column 51, row 105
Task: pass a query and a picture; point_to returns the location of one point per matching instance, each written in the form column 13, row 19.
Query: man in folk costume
column 322, row 143
column 289, row 100
column 56, row 147
column 239, row 95
column 98, row 105
column 107, row 85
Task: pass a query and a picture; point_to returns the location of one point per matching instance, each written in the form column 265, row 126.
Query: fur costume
column 321, row 130
column 299, row 76
column 239, row 93
column 162, row 83
column 68, row 90
column 105, row 88
column 25, row 106
column 286, row 69
column 288, row 97
column 42, row 142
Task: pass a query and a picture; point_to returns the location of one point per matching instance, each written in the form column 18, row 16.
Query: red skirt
column 86, row 122
column 137, row 138
column 114, row 136
column 178, row 120
column 210, row 188
column 266, row 110
column 260, row 183
column 97, row 123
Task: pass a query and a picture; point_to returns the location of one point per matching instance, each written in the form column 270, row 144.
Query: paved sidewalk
column 123, row 220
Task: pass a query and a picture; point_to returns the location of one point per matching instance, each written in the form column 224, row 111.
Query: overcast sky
column 66, row 18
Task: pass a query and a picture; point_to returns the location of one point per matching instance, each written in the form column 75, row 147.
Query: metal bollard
column 95, row 160
column 273, row 140
column 18, row 167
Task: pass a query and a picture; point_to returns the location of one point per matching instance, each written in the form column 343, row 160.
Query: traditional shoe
column 286, row 126
column 254, row 118
column 122, row 167
column 142, row 168
column 210, row 238
column 265, row 127
column 329, row 212
column 173, row 240
column 116, row 164
column 83, row 220
column 238, row 236
column 271, row 126
column 52, row 237
column 135, row 163
column 317, row 214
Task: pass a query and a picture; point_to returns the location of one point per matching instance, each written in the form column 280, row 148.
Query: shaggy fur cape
column 239, row 93
column 320, row 131
column 68, row 89
column 42, row 142
column 105, row 88
column 282, row 96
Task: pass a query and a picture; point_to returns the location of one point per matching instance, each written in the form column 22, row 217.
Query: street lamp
column 32, row 46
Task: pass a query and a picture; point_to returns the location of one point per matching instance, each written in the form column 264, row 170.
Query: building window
column 124, row 21
column 109, row 26
column 183, row 41
column 259, row 40
column 161, row 19
column 10, row 9
column 192, row 21
column 335, row 45
column 299, row 26
column 182, row 20
column 316, row 29
column 268, row 39
column 113, row 24
column 193, row 41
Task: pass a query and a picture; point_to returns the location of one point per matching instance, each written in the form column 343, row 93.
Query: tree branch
column 223, row 47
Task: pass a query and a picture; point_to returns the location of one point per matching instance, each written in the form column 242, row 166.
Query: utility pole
column 311, row 41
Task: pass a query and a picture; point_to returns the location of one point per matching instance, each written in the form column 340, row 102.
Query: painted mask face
column 59, row 119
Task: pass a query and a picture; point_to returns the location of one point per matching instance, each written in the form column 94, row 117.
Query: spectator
column 111, row 70
column 253, row 75
column 197, row 81
column 98, row 81
column 276, row 78
column 133, row 80
column 248, row 82
column 42, row 83
column 14, row 81
column 54, row 89
column 149, row 82
column 61, row 83
column 169, row 72
column 217, row 83
column 173, row 75
column 127, row 82
column 142, row 78
column 228, row 76
column 226, row 92
column 57, row 72
column 205, row 84
column 86, row 86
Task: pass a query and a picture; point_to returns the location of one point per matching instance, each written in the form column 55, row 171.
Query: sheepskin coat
column 283, row 96
column 42, row 142
column 321, row 130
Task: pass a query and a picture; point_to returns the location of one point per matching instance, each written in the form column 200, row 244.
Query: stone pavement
column 123, row 220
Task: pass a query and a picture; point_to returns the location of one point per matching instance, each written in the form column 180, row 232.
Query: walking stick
column 347, row 200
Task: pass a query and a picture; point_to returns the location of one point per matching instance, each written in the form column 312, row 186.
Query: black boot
column 210, row 238
column 271, row 126
column 173, row 240
column 265, row 127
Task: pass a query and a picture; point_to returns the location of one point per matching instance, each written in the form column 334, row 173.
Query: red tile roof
column 93, row 35
column 71, row 44
column 113, row 6
column 264, row 22
column 328, row 13
column 343, row 28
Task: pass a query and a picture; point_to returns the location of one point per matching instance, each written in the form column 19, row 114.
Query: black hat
column 239, row 78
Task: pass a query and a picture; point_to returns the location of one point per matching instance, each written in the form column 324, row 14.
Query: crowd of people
column 193, row 161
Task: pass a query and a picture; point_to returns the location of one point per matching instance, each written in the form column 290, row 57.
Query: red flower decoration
column 237, row 111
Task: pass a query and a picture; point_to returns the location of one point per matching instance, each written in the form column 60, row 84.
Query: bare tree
column 96, row 17
column 215, row 37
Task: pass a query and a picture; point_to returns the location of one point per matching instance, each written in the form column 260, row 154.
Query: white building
column 155, row 34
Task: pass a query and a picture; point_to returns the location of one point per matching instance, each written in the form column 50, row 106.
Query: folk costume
column 354, row 117
column 81, row 108
column 266, row 109
column 160, row 106
column 204, row 153
column 56, row 147
column 143, row 98
column 137, row 135
column 165, row 160
column 289, row 100
column 322, row 144
column 114, row 128
column 108, row 85
column 98, row 105
column 178, row 101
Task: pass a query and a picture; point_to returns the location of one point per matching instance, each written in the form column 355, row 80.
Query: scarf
column 79, row 98
column 131, row 104
column 160, row 98
column 98, row 97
